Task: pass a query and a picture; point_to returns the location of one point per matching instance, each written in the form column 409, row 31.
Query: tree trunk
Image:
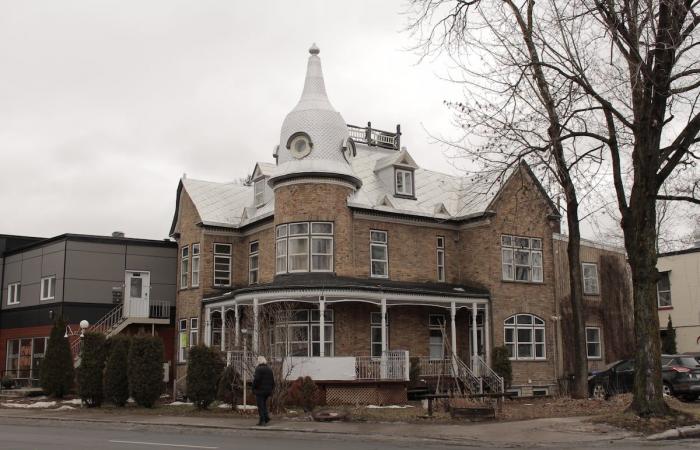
column 579, row 389
column 639, row 224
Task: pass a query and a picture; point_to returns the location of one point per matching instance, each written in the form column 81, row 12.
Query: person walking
column 263, row 385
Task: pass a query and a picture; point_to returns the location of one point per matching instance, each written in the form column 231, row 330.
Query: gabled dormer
column 261, row 191
column 397, row 172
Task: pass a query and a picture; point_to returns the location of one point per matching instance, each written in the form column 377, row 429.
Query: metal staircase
column 115, row 322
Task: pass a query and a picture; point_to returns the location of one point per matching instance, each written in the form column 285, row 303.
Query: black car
column 616, row 378
column 680, row 374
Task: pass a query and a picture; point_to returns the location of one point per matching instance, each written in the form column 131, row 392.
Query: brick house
column 117, row 284
column 386, row 264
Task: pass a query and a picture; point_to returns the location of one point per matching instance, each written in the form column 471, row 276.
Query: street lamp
column 84, row 324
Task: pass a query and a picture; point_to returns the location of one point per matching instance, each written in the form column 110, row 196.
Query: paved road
column 60, row 436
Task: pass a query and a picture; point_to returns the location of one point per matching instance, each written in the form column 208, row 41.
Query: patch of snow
column 64, row 408
column 178, row 403
column 75, row 401
column 29, row 405
column 130, row 400
column 247, row 407
column 224, row 406
column 165, row 395
column 389, row 407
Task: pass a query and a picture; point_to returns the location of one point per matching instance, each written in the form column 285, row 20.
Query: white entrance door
column 136, row 294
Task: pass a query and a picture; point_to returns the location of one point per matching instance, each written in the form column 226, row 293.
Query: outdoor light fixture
column 84, row 324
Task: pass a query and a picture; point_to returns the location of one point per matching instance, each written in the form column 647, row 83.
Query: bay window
column 378, row 254
column 304, row 247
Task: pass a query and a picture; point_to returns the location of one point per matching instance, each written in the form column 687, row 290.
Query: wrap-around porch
column 351, row 334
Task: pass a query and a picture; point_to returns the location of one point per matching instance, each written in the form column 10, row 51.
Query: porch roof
column 330, row 282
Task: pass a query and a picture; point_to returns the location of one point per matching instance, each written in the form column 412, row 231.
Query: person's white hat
column 261, row 360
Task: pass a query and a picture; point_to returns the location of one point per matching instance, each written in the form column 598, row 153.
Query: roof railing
column 376, row 138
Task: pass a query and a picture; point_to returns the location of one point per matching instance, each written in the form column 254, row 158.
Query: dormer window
column 404, row 182
column 259, row 187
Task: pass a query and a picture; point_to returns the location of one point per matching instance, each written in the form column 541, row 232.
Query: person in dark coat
column 263, row 385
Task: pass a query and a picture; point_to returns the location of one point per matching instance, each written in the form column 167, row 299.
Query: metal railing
column 434, row 367
column 489, row 377
column 159, row 309
column 471, row 382
column 373, row 137
column 235, row 359
column 392, row 365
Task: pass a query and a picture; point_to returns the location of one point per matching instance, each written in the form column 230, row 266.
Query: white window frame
column 440, row 258
column 437, row 325
column 593, row 290
column 308, row 319
column 51, row 288
column 512, row 245
column 195, row 265
column 184, row 265
column 259, row 192
column 254, row 262
column 281, row 249
column 407, row 180
column 309, row 232
column 375, row 323
column 536, row 324
column 223, row 258
column 379, row 244
column 666, row 273
column 598, row 343
column 13, row 293
column 194, row 331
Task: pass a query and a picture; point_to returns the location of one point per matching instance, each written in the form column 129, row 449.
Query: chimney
column 117, row 234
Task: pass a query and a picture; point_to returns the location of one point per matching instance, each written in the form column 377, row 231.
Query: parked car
column 616, row 378
column 680, row 374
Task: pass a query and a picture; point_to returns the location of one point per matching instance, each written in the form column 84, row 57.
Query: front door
column 136, row 294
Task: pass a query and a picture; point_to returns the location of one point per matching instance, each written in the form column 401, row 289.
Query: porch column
column 322, row 326
column 207, row 327
column 223, row 328
column 453, row 336
column 255, row 326
column 474, row 336
column 237, row 326
column 487, row 335
column 382, row 367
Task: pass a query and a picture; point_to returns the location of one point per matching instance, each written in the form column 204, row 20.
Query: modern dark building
column 117, row 284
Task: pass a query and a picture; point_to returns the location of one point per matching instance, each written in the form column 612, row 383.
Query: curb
column 688, row 432
column 449, row 441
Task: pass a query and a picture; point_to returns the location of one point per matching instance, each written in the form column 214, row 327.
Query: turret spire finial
column 314, row 50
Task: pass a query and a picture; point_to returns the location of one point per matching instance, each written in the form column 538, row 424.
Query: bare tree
column 636, row 64
column 520, row 111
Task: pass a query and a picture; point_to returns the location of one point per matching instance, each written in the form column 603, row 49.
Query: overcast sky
column 104, row 104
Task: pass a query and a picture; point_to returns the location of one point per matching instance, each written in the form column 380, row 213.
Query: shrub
column 502, row 366
column 7, row 382
column 145, row 371
column 116, row 380
column 91, row 369
column 668, row 342
column 230, row 387
column 204, row 367
column 56, row 378
column 304, row 392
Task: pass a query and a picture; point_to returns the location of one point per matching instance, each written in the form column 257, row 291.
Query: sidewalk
column 543, row 432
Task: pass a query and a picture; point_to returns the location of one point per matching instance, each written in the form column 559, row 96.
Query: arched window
column 524, row 337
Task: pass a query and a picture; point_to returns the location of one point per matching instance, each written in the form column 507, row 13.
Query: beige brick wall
column 472, row 255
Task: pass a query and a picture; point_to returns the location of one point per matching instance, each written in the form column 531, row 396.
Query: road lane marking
column 162, row 444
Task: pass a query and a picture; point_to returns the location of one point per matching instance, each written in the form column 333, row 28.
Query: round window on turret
column 299, row 145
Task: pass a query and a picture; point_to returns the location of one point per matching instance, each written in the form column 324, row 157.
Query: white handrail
column 489, row 376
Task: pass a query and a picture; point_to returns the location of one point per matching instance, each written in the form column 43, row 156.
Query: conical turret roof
column 315, row 117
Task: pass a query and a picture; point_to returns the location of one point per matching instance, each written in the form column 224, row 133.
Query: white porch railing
column 434, row 367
